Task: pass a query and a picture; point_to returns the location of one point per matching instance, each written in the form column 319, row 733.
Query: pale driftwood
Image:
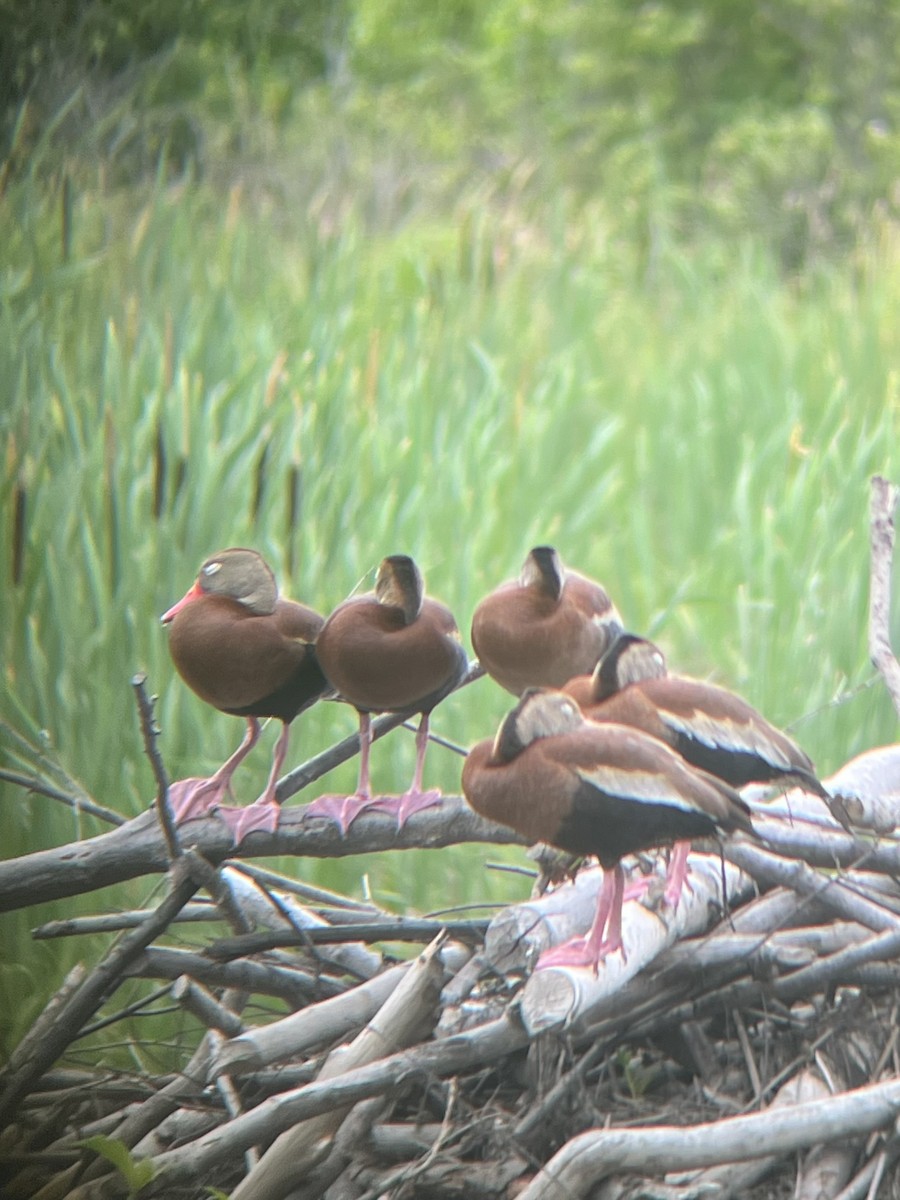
column 205, row 1007
column 318, row 1024
column 883, row 505
column 400, row 1021
column 278, row 910
column 138, row 848
column 559, row 996
column 312, row 1027
column 587, row 1159
column 518, row 934
column 289, row 983
column 487, row 1044
column 822, row 1177
column 833, row 893
column 870, row 788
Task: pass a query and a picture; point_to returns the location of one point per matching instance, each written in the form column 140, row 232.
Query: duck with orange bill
column 248, row 652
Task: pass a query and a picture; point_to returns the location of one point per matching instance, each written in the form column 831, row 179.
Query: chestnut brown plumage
column 391, row 650
column 606, row 790
column 250, row 653
column 710, row 727
column 544, row 627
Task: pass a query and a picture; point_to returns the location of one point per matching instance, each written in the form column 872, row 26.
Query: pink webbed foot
column 403, row 807
column 579, row 952
column 262, row 814
column 195, row 797
column 343, row 810
column 605, row 934
column 677, row 875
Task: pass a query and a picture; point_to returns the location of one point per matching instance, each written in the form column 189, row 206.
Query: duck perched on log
column 586, row 788
column 248, row 652
column 391, row 650
column 545, row 627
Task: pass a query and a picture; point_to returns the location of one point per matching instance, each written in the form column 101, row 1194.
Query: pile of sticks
column 748, row 1045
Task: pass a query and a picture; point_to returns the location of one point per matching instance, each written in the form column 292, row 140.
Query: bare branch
column 150, row 733
column 33, row 783
column 138, row 848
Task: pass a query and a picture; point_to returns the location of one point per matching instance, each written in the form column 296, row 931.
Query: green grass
column 699, row 434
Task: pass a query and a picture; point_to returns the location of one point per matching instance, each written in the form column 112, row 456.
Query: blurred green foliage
column 705, row 117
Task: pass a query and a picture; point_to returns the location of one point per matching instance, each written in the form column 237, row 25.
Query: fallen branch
column 139, row 848
column 586, row 1160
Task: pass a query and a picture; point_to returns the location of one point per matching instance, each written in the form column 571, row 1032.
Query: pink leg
column 196, row 797
column 413, row 800
column 676, row 875
column 344, row 810
column 264, row 812
column 605, row 935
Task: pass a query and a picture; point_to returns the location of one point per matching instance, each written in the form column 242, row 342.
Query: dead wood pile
column 748, row 1045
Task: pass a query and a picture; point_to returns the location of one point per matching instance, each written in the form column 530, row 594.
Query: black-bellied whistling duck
column 391, row 650
column 587, row 788
column 247, row 652
column 710, row 727
column 544, row 627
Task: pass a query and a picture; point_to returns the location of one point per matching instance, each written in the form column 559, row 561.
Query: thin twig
column 32, row 783
column 150, row 732
column 402, row 929
column 91, row 994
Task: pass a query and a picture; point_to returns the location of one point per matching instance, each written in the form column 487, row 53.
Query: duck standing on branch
column 391, row 650
column 586, row 788
column 248, row 652
column 711, row 728
column 545, row 627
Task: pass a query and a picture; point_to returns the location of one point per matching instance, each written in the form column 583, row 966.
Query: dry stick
column 835, row 894
column 138, row 848
column 307, row 891
column 150, row 733
column 32, row 783
column 404, row 1016
column 93, row 991
column 587, row 1159
column 450, row 1056
column 883, row 505
column 401, row 929
column 295, row 986
column 115, row 922
column 322, row 763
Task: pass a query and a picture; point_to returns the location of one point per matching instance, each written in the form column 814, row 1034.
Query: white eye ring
column 212, row 568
